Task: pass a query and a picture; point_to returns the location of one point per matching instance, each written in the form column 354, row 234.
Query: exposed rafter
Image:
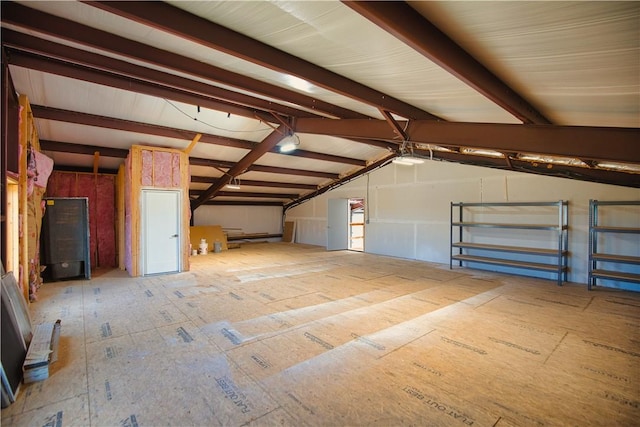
column 54, row 66
column 341, row 181
column 28, row 18
column 114, row 123
column 265, row 146
column 39, row 44
column 319, row 156
column 254, row 183
column 539, row 168
column 290, row 171
column 67, row 147
column 405, row 23
column 604, row 143
column 173, row 20
column 58, row 114
column 241, row 203
column 251, row 194
column 32, row 52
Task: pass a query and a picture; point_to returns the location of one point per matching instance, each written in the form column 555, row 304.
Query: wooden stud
column 153, row 168
column 23, row 207
column 120, row 216
column 186, row 209
column 96, row 158
column 187, row 150
column 136, row 183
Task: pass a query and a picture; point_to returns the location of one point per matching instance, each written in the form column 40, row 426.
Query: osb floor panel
column 285, row 334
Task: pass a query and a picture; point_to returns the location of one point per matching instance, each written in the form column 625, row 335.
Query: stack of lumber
column 42, row 352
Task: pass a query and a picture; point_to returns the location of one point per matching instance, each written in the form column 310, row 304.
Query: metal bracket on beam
column 507, row 158
column 289, row 125
column 394, row 124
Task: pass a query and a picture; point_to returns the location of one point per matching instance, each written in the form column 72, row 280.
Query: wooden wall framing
column 150, row 167
column 29, row 208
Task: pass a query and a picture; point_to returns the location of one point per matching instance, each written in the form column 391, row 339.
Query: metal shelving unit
column 553, row 260
column 596, row 257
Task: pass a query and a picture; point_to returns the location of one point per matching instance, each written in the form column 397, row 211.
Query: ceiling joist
column 128, row 125
column 173, row 20
column 405, row 23
column 242, row 166
column 38, row 54
column 254, row 183
column 58, row 114
column 31, row 19
column 61, row 68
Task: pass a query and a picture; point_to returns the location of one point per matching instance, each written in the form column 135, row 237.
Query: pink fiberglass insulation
column 106, row 221
column 175, row 169
column 100, row 190
column 147, row 168
column 162, row 170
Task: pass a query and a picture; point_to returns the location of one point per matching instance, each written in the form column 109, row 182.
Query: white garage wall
column 408, row 208
column 245, row 219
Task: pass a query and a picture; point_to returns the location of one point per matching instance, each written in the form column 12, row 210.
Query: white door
column 338, row 225
column 160, row 231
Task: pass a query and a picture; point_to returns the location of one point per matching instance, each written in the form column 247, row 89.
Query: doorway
column 160, row 231
column 346, row 219
column 356, row 224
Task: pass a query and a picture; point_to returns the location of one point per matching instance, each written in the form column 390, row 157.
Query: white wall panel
column 311, row 231
column 247, row 219
column 408, row 209
column 393, row 239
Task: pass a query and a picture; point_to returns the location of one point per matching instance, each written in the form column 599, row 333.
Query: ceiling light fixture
column 234, row 184
column 406, row 157
column 405, row 161
column 289, row 143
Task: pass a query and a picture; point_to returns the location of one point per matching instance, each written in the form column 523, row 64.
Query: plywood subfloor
column 286, row 334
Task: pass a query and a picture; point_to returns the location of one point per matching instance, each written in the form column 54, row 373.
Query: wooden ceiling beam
column 241, row 203
column 67, row 147
column 254, row 183
column 23, row 44
column 250, row 194
column 595, row 143
column 243, row 165
column 603, row 176
column 404, row 22
column 89, row 150
column 289, row 171
column 65, row 69
column 84, row 169
column 65, row 29
column 173, row 20
column 321, row 156
column 341, row 181
column 48, row 113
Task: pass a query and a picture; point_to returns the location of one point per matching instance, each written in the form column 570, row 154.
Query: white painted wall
column 408, row 208
column 245, row 219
